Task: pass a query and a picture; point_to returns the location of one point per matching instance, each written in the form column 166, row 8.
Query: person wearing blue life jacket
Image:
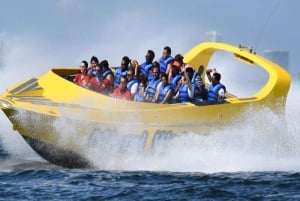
column 121, row 71
column 132, row 83
column 186, row 90
column 103, row 81
column 107, row 72
column 153, row 83
column 165, row 60
column 146, row 66
column 200, row 92
column 140, row 95
column 164, row 91
column 216, row 91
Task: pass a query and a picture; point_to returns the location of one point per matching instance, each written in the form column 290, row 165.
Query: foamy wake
column 264, row 141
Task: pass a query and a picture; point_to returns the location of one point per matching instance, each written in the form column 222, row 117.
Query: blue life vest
column 131, row 83
column 174, row 80
column 150, row 77
column 139, row 98
column 145, row 68
column 163, row 63
column 152, row 85
column 107, row 72
column 163, row 92
column 193, row 81
column 93, row 72
column 99, row 76
column 213, row 92
column 183, row 93
column 118, row 74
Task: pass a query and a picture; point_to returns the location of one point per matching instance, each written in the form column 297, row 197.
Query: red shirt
column 104, row 87
column 118, row 94
column 81, row 79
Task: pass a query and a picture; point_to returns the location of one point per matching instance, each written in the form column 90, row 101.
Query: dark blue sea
column 39, row 180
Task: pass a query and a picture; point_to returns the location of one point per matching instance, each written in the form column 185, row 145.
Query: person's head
column 140, row 75
column 216, row 78
column 83, row 66
column 175, row 67
column 104, row 65
column 125, row 62
column 164, row 79
column 166, row 52
column 98, row 68
column 142, row 86
column 94, row 61
column 149, row 56
column 123, row 83
column 130, row 74
column 179, row 58
column 156, row 70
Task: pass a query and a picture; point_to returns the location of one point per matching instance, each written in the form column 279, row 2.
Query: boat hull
column 58, row 155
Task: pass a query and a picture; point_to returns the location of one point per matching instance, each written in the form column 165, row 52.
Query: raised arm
column 208, row 73
column 188, row 81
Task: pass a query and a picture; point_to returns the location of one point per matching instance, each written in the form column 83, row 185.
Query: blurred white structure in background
column 213, row 36
column 279, row 57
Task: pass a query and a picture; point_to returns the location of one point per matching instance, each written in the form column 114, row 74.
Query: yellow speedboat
column 59, row 119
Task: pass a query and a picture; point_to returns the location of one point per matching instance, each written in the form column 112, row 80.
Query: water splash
column 262, row 141
column 253, row 145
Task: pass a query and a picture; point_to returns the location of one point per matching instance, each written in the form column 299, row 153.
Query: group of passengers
column 167, row 80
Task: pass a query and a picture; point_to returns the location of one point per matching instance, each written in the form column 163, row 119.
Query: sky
column 37, row 35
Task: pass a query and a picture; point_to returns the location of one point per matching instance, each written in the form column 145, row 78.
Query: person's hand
column 209, row 70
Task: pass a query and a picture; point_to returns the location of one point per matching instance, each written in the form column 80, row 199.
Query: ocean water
column 41, row 183
column 257, row 160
